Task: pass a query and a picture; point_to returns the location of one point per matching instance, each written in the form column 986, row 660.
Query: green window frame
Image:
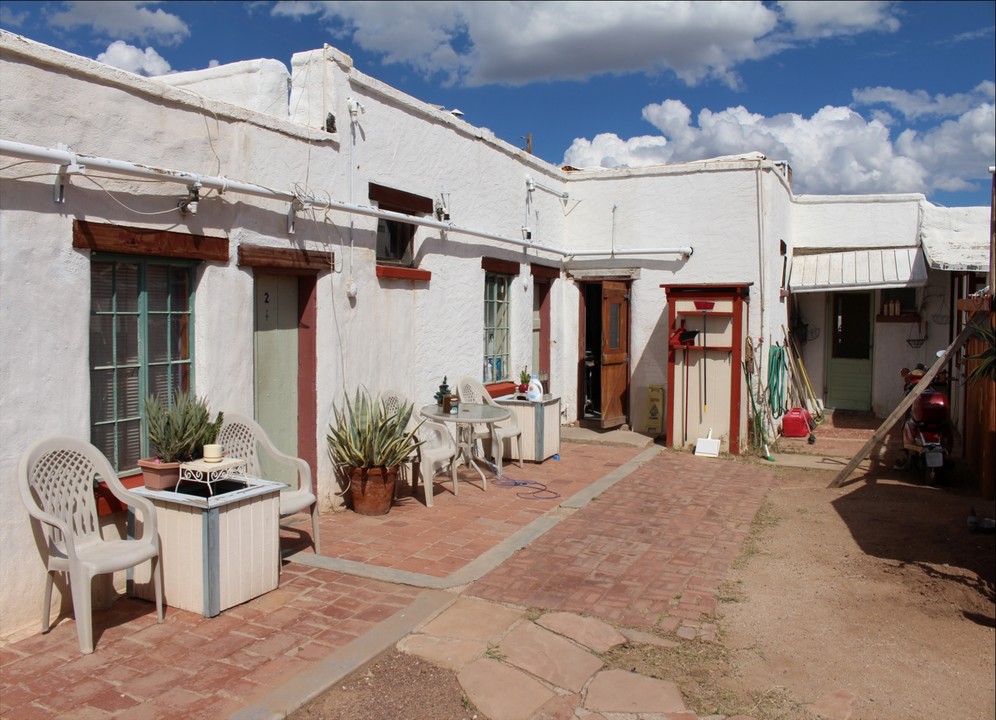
column 496, row 327
column 141, row 343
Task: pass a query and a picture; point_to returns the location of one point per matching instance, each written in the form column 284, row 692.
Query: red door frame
column 740, row 296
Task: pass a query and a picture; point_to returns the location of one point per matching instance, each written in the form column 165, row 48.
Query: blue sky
column 860, row 97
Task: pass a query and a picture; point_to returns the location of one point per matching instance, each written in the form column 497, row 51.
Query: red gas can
column 795, row 423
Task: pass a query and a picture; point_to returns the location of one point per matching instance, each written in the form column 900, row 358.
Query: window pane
column 157, row 342
column 179, row 289
column 101, row 395
column 127, row 339
column 614, row 326
column 179, row 338
column 101, row 340
column 852, row 326
column 157, row 287
column 101, row 287
column 394, row 242
column 159, row 382
column 129, row 444
column 127, row 391
column 102, row 437
column 126, row 287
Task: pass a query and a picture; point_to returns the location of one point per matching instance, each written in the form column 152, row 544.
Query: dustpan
column 707, row 447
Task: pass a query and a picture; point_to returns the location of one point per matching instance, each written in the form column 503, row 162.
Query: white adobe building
column 346, row 233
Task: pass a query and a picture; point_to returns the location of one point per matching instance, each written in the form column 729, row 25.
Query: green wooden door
column 276, row 361
column 849, row 368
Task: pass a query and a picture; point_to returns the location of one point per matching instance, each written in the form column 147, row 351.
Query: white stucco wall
column 849, row 221
column 258, row 85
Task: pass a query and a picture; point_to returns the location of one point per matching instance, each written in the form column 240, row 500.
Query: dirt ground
column 868, row 602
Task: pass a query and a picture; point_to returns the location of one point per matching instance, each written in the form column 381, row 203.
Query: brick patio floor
column 645, row 545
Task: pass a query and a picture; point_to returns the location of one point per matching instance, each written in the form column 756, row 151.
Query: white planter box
column 540, row 425
column 218, row 551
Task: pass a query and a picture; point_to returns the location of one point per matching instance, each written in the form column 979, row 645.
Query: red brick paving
column 651, row 551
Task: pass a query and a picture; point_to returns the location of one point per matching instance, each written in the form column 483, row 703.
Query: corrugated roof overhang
column 864, row 269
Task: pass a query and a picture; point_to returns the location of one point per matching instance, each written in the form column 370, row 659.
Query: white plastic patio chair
column 57, row 476
column 473, row 391
column 438, row 451
column 393, row 401
column 241, row 437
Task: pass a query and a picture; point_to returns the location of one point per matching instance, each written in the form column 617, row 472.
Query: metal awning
column 858, row 270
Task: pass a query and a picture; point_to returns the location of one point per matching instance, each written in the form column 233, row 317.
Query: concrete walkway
column 624, row 538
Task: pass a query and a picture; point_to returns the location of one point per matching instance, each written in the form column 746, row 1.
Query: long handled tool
column 705, row 305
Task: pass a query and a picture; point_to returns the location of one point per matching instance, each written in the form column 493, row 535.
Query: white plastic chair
column 241, row 437
column 438, row 451
column 473, row 391
column 393, row 401
column 57, row 476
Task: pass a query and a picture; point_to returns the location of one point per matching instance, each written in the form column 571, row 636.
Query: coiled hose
column 777, row 365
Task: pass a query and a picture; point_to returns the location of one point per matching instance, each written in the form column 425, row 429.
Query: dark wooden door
column 615, row 354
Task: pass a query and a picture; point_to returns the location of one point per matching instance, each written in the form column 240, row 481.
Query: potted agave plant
column 177, row 433
column 368, row 444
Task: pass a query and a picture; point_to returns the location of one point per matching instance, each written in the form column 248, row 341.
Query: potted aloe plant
column 523, row 379
column 368, row 444
column 177, row 433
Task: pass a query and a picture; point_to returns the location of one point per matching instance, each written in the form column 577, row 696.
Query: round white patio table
column 466, row 416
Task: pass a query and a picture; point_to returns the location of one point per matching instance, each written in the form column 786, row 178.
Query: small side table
column 208, row 473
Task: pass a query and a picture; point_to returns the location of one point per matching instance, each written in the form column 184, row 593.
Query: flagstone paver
column 549, row 656
column 618, row 691
column 595, row 634
column 519, row 697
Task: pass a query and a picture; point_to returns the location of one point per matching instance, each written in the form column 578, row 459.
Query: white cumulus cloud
column 919, row 103
column 811, row 19
column 834, row 151
column 482, row 43
column 147, row 62
column 122, row 20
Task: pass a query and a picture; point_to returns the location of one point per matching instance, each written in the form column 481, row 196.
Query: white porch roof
column 858, row 269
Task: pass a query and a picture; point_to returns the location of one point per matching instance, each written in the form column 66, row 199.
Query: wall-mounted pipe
column 225, row 185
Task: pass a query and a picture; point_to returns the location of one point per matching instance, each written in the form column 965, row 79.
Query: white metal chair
column 473, row 391
column 438, row 451
column 57, row 476
column 242, row 437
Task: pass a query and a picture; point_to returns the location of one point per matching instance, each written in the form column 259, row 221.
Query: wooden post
column 886, row 426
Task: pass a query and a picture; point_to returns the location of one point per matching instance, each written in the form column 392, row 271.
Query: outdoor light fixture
column 442, row 207
column 190, row 203
column 527, row 234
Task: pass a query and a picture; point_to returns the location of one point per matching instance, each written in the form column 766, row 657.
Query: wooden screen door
column 615, row 353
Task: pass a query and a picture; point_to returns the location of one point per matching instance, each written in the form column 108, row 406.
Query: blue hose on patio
column 777, row 365
column 535, row 490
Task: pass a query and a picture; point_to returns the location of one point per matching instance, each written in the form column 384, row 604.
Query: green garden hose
column 776, row 380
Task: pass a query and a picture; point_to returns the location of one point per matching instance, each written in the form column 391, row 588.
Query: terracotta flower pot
column 372, row 490
column 160, row 475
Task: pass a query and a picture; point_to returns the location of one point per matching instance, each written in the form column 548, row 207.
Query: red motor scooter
column 927, row 435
